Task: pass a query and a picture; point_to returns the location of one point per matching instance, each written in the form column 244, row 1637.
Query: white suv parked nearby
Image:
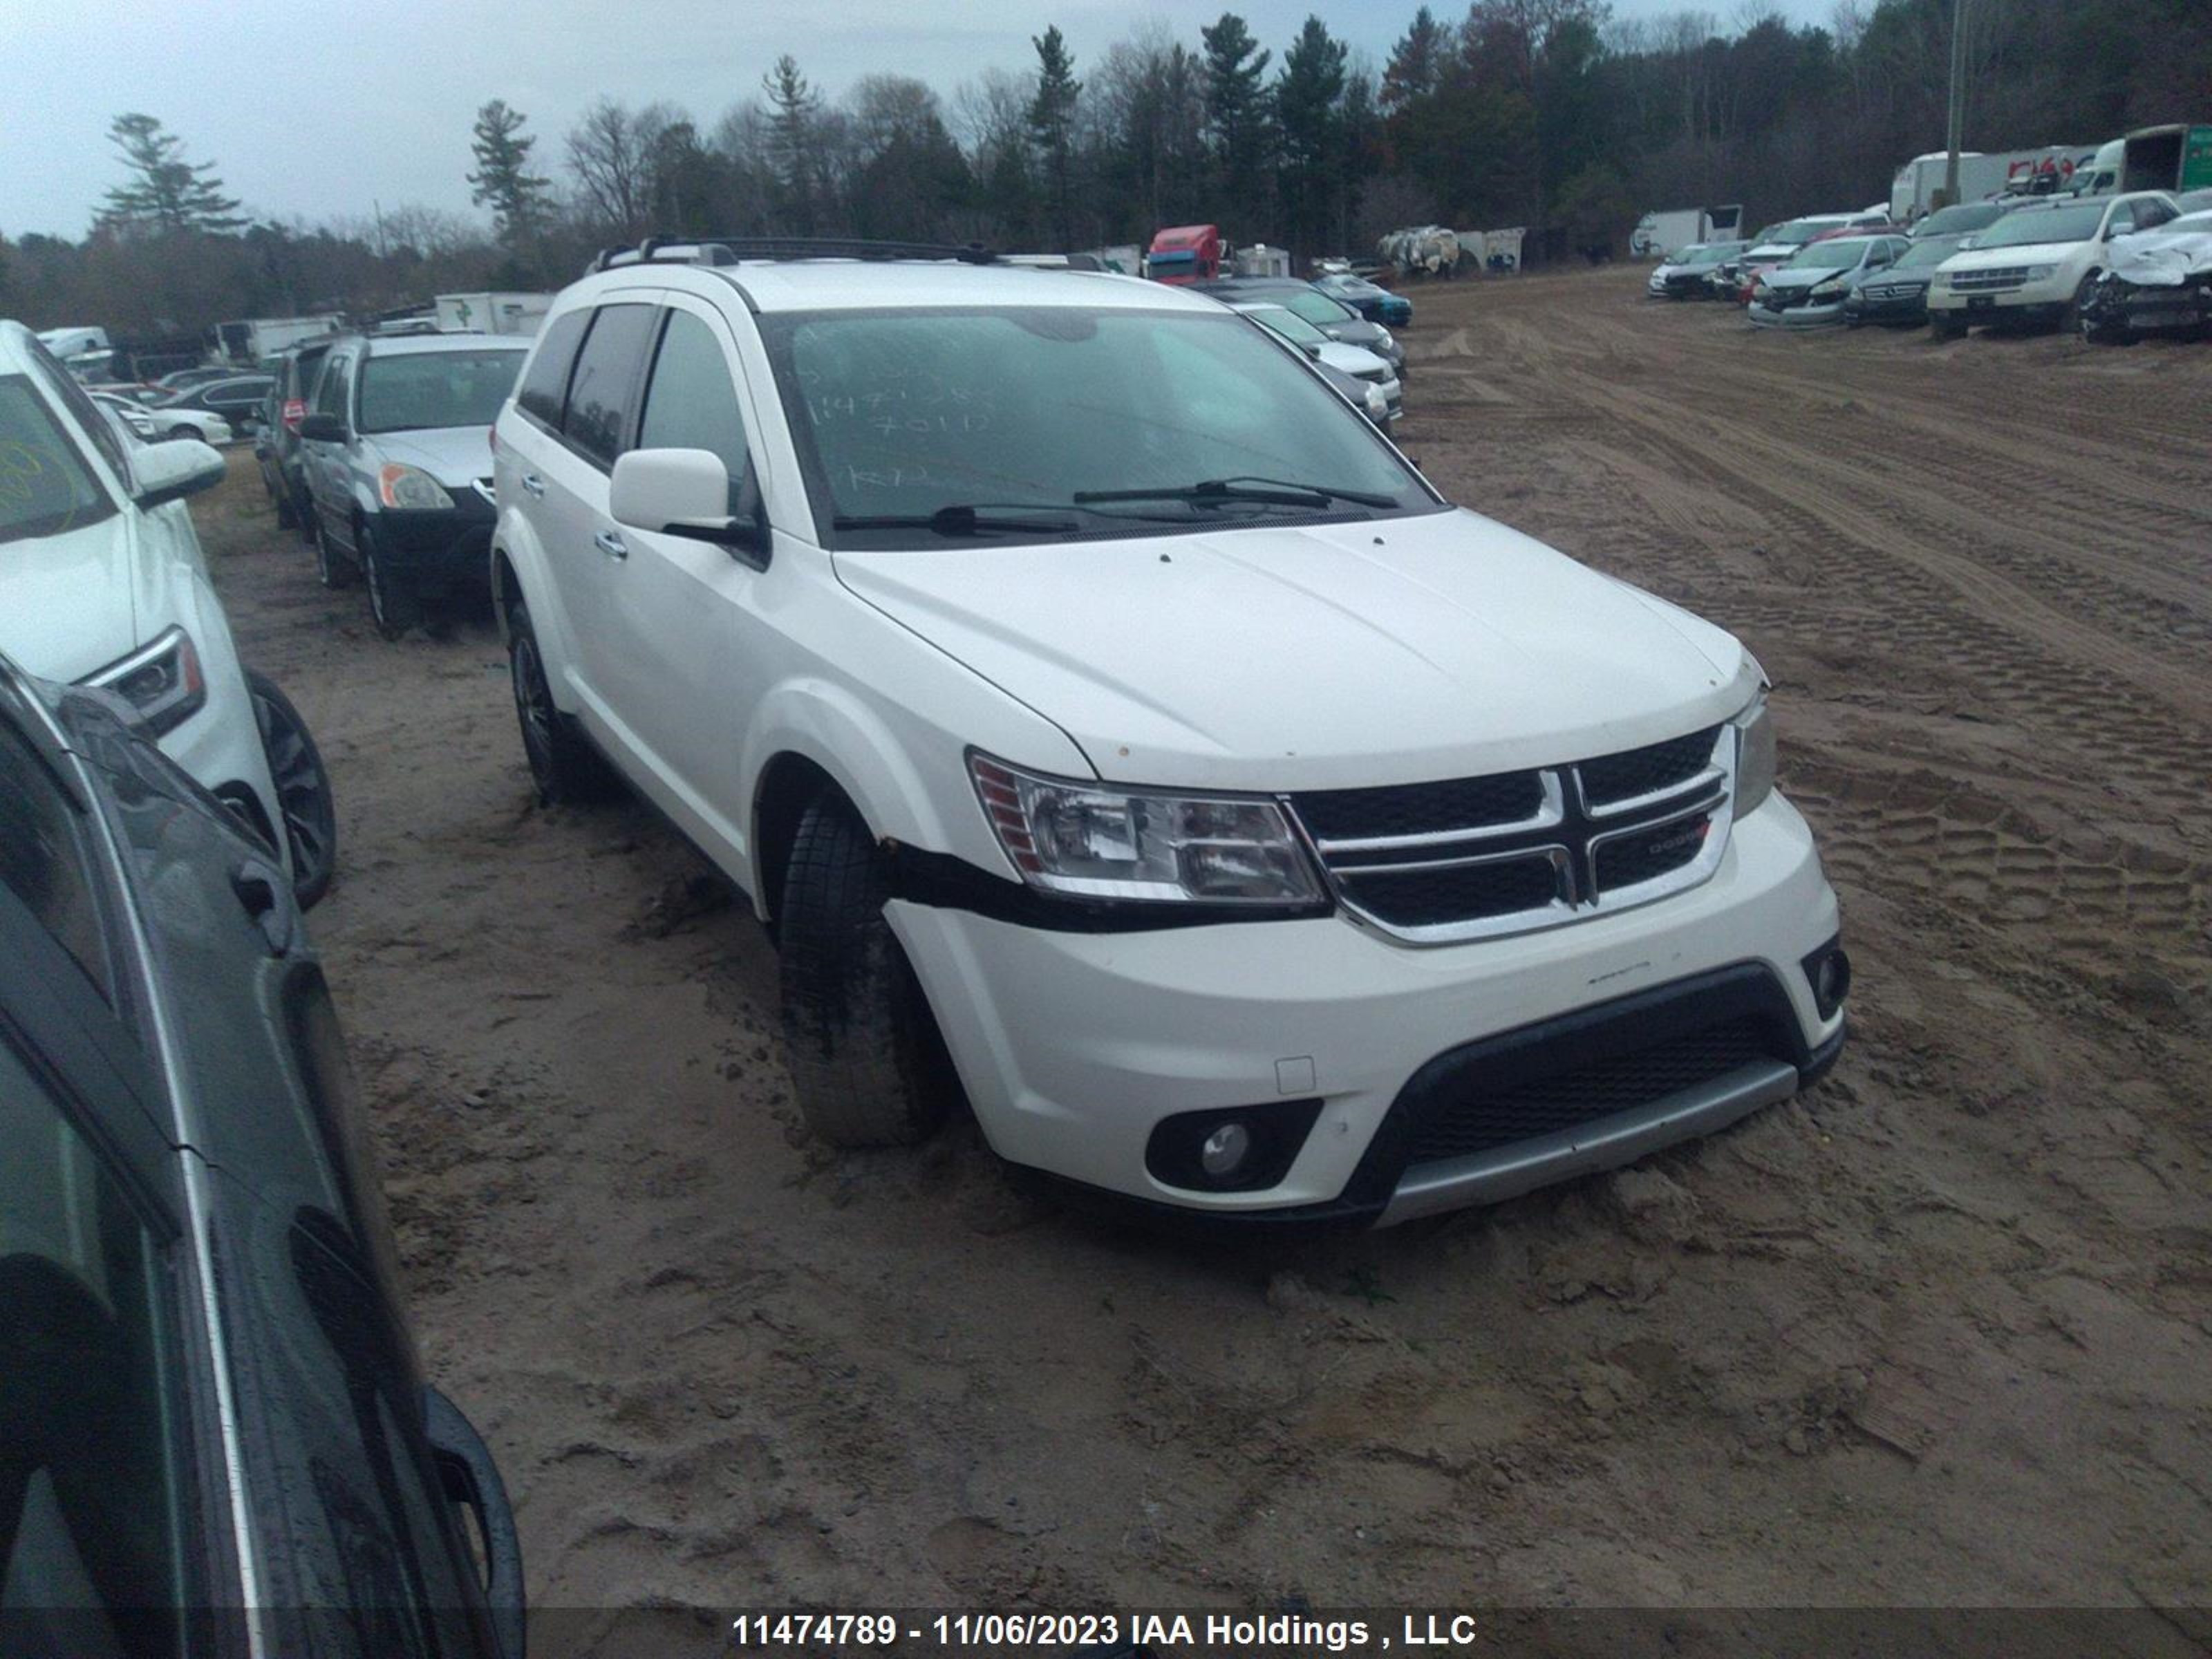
column 102, row 583
column 2038, row 262
column 1118, row 732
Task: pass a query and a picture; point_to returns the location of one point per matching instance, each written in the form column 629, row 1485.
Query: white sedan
column 154, row 425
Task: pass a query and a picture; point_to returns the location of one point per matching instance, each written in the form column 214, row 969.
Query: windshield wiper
column 963, row 518
column 1272, row 492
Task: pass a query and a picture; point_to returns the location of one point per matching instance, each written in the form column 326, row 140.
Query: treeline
column 1548, row 113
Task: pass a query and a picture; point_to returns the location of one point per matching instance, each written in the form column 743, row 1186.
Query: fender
column 514, row 538
column 828, row 725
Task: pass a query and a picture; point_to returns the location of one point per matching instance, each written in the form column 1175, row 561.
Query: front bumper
column 445, row 550
column 1907, row 307
column 2033, row 301
column 1073, row 1046
column 1821, row 314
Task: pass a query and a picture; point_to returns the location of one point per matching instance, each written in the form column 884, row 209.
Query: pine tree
column 503, row 180
column 1417, row 62
column 794, row 104
column 1312, row 131
column 165, row 193
column 1052, row 127
column 1237, row 112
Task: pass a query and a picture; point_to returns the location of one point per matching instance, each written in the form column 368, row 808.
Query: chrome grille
column 1510, row 852
column 1988, row 281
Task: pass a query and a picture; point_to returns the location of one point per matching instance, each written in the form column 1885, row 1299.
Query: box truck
column 492, row 312
column 1670, row 230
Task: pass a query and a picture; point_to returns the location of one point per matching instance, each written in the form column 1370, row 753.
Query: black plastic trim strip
column 945, row 881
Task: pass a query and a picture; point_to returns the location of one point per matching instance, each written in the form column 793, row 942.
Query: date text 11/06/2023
column 1106, row 1633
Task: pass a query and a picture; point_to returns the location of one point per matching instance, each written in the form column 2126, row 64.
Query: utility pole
column 1958, row 117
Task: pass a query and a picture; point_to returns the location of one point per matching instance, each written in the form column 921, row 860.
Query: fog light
column 1828, row 970
column 1220, row 1153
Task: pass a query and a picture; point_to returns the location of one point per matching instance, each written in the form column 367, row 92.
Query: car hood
column 1997, row 258
column 1352, row 359
column 68, row 604
column 1811, row 277
column 1293, row 657
column 2162, row 258
column 451, row 454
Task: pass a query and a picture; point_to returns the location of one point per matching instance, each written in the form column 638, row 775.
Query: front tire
column 177, row 432
column 393, row 606
column 307, row 810
column 566, row 768
column 866, row 1061
column 333, row 569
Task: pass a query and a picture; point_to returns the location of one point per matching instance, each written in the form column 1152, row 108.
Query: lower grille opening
column 1424, row 898
column 1475, row 1118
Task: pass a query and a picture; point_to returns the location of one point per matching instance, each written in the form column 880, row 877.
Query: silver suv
column 396, row 451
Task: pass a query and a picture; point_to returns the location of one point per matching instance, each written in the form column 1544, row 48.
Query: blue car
column 1378, row 305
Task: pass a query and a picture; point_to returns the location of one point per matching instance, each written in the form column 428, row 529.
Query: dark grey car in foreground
column 213, row 1435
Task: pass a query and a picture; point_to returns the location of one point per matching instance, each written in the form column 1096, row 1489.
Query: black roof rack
column 728, row 250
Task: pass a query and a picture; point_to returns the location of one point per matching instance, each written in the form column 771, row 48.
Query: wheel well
column 503, row 587
column 787, row 787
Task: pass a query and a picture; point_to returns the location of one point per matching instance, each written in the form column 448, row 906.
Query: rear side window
column 333, row 388
column 604, row 387
column 544, row 386
column 45, row 488
column 691, row 402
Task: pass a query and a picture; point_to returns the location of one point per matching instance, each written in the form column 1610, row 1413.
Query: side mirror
column 322, row 430
column 684, row 492
column 1312, row 348
column 170, row 472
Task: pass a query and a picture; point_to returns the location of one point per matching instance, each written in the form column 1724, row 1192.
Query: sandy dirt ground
column 1938, row 1333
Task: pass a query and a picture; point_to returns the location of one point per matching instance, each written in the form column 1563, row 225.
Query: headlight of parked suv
column 1754, row 755
column 162, row 681
column 1093, row 840
column 411, row 487
column 2040, row 273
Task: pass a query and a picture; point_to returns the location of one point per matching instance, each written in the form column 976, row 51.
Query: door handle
column 612, row 544
column 534, row 485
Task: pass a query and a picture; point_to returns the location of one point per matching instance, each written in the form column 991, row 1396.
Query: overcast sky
column 318, row 110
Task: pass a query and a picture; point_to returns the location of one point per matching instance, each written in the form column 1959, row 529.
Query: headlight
column 1754, row 755
column 410, row 486
column 1941, row 279
column 162, row 681
column 2040, row 273
column 1390, row 340
column 1830, row 289
column 1377, row 404
column 1093, row 840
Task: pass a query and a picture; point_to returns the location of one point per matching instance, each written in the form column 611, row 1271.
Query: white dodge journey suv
column 1117, row 731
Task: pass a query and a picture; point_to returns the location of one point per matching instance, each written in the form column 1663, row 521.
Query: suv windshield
column 919, row 429
column 2065, row 224
column 406, row 394
column 1839, row 255
column 45, row 486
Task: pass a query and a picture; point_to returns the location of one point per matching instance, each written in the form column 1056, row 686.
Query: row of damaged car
column 2111, row 267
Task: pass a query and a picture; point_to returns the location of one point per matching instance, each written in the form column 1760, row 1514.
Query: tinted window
column 306, row 367
column 427, row 389
column 606, row 380
column 45, row 488
column 1314, row 305
column 544, row 386
column 93, row 1509
column 332, row 386
column 235, row 394
column 44, row 859
column 691, row 402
